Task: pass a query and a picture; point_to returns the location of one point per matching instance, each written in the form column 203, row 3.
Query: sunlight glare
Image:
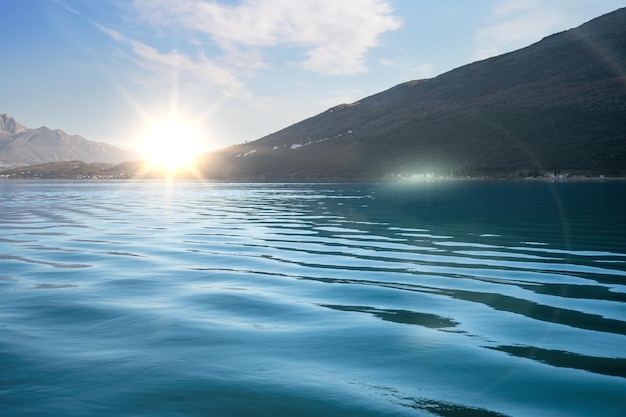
column 172, row 143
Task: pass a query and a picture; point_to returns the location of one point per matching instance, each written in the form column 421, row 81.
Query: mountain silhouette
column 557, row 105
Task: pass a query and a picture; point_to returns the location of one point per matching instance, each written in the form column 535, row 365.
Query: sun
column 172, row 144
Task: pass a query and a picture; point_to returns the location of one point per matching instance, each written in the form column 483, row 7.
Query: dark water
column 196, row 299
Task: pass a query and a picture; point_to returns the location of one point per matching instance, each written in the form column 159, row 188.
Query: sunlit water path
column 199, row 299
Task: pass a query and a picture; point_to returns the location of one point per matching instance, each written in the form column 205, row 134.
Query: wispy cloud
column 332, row 37
column 198, row 70
column 514, row 24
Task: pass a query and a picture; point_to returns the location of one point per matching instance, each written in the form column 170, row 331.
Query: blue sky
column 104, row 69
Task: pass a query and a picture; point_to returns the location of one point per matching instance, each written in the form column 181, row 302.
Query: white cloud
column 198, row 70
column 514, row 24
column 333, row 35
column 113, row 34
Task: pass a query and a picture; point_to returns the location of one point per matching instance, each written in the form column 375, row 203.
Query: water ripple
column 153, row 298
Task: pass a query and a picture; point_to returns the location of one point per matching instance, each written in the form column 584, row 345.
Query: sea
column 190, row 298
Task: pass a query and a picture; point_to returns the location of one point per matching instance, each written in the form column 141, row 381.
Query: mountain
column 556, row 105
column 20, row 145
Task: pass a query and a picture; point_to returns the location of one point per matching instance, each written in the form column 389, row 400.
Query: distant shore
column 138, row 170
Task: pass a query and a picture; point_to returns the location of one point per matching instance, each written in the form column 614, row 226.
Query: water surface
column 199, row 299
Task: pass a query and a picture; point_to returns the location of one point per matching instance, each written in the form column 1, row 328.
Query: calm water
column 197, row 299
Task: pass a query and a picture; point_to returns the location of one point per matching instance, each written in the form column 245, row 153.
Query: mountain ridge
column 22, row 146
column 557, row 104
column 9, row 126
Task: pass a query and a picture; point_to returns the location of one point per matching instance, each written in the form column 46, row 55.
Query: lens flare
column 172, row 144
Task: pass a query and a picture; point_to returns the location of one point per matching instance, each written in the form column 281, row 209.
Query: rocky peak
column 8, row 125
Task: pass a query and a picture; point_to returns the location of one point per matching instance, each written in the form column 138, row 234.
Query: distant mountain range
column 20, row 146
column 557, row 105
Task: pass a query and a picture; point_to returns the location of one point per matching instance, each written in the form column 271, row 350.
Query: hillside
column 557, row 105
column 20, row 146
column 83, row 170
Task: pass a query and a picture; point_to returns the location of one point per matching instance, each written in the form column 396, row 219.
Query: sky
column 241, row 69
